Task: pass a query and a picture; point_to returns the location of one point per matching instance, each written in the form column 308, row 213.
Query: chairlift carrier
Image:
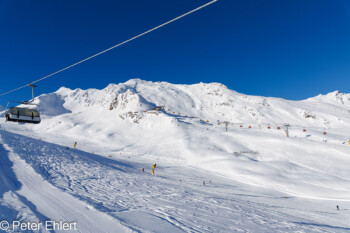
column 24, row 114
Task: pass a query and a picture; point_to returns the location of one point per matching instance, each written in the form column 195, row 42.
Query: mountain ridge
column 213, row 102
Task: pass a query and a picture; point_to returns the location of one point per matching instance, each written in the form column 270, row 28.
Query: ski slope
column 28, row 196
column 256, row 178
column 113, row 195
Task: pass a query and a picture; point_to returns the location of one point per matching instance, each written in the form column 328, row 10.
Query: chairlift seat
column 25, row 115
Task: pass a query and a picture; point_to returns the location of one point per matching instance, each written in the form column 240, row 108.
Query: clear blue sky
column 292, row 49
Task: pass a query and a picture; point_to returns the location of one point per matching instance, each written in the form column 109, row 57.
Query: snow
column 52, row 203
column 51, row 104
column 335, row 97
column 256, row 178
column 75, row 184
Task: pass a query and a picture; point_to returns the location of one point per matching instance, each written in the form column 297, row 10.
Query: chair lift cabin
column 26, row 115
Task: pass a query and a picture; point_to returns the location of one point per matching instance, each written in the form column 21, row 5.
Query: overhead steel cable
column 113, row 47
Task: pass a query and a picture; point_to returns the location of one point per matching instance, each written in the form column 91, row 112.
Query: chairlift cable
column 113, row 47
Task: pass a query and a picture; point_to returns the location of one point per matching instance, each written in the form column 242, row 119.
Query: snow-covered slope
column 40, row 180
column 188, row 130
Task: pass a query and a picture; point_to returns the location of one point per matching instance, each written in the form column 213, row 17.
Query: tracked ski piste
column 47, row 202
column 113, row 195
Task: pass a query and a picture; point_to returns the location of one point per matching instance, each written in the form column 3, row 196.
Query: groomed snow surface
column 250, row 178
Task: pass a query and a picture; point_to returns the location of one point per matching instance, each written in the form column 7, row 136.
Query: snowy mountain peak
column 337, row 95
column 333, row 97
column 63, row 90
column 136, row 81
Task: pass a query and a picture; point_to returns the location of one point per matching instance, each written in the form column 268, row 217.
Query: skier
column 337, row 207
column 75, row 144
column 153, row 168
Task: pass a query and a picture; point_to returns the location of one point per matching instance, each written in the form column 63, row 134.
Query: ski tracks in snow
column 101, row 194
column 54, row 204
